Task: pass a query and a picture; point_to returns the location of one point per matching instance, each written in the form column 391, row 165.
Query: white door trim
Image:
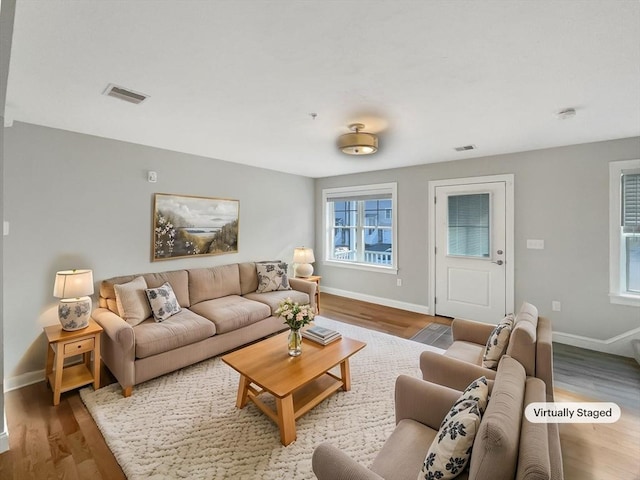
column 508, row 179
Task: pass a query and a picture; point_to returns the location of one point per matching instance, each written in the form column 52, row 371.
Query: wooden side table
column 64, row 344
column 316, row 279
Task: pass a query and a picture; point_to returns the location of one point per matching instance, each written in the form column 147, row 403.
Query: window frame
column 618, row 292
column 328, row 220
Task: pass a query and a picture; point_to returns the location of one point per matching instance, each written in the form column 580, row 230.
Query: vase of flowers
column 295, row 316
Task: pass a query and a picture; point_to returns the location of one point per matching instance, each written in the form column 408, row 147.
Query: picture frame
column 188, row 225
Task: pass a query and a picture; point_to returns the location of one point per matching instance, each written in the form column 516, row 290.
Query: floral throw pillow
column 450, row 451
column 163, row 302
column 272, row 276
column 497, row 343
column 477, row 391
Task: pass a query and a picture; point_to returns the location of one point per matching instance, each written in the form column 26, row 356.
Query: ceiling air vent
column 465, row 148
column 124, row 94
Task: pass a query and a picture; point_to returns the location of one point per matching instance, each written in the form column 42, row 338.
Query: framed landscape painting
column 184, row 226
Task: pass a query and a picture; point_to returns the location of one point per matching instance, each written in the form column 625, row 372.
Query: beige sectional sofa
column 220, row 310
column 506, row 446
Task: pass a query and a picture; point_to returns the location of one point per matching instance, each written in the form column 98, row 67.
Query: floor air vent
column 124, row 94
column 465, row 148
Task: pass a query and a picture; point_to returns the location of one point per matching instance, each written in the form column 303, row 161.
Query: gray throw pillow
column 163, row 302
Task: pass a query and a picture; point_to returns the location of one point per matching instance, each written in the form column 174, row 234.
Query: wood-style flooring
column 63, row 442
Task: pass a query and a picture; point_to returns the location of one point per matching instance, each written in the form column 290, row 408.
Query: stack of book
column 321, row 335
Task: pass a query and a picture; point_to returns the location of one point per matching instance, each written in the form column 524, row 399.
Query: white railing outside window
column 360, row 226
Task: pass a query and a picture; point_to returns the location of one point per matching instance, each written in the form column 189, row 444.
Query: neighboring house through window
column 360, row 226
column 624, row 229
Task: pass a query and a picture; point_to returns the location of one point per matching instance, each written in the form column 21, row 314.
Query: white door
column 471, row 251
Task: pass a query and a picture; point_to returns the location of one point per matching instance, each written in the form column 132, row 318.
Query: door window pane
column 469, row 225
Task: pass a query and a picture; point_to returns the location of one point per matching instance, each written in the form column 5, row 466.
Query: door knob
column 499, row 262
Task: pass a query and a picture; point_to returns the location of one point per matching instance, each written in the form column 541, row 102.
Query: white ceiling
column 238, row 80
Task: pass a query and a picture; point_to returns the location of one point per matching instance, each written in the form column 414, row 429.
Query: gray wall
column 78, row 201
column 561, row 196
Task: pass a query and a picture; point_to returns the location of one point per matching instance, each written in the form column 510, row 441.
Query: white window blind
column 630, row 202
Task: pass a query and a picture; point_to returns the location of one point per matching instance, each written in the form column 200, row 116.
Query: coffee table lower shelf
column 290, row 407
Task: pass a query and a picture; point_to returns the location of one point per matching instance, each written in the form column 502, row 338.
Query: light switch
column 152, row 176
column 535, row 244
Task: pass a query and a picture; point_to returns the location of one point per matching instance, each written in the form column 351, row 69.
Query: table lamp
column 303, row 258
column 73, row 288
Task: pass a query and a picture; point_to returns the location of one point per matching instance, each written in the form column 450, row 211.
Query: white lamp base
column 304, row 270
column 74, row 313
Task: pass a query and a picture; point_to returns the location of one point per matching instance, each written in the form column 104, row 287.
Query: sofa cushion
column 402, row 454
column 248, row 277
column 214, row 282
column 232, row 312
column 273, row 299
column 495, row 449
column 163, row 302
column 527, row 313
column 183, row 328
column 449, row 452
column 132, row 303
column 497, row 343
column 177, row 279
column 272, row 276
column 466, row 351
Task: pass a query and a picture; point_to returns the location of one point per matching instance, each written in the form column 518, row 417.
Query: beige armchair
column 506, row 445
column 530, row 344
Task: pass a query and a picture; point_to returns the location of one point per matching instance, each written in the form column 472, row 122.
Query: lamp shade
column 303, row 255
column 73, row 284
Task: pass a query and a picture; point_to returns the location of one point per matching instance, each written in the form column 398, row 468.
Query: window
column 360, row 225
column 469, row 225
column 625, row 232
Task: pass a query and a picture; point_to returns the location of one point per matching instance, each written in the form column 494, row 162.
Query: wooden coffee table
column 297, row 383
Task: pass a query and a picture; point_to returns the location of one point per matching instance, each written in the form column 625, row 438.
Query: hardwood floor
column 63, row 442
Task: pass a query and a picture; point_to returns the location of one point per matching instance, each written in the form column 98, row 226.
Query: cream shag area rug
column 185, row 424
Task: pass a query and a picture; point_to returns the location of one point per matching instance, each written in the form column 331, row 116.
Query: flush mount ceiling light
column 357, row 142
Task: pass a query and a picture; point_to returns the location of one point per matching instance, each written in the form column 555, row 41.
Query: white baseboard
column 387, row 302
column 626, row 344
column 19, row 381
column 4, row 442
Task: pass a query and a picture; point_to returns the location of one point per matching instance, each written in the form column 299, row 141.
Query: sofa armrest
column 115, row 328
column 330, row 463
column 424, row 402
column 118, row 350
column 451, row 372
column 307, row 287
column 471, row 331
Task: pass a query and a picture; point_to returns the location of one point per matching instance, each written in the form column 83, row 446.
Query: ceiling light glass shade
column 357, row 142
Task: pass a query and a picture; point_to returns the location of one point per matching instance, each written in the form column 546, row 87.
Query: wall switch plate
column 556, row 306
column 535, row 244
column 5, row 228
column 399, row 282
column 152, row 177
